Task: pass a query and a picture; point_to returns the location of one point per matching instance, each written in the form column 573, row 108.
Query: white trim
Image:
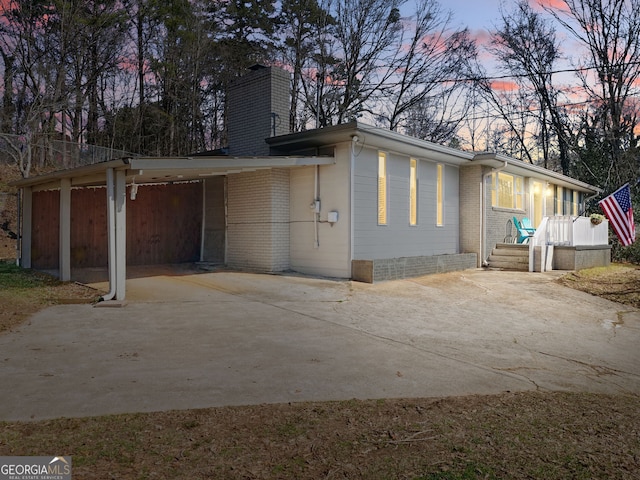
column 121, row 233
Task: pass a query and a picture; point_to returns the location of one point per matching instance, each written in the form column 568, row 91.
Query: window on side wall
column 507, row 191
column 440, row 196
column 413, row 192
column 575, row 204
column 559, row 200
column 382, row 188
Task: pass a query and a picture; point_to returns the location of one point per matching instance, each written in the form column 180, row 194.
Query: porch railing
column 564, row 231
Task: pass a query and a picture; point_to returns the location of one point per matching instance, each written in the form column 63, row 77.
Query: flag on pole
column 618, row 209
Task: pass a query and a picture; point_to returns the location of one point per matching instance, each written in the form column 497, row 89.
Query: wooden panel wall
column 89, row 234
column 45, row 232
column 164, row 224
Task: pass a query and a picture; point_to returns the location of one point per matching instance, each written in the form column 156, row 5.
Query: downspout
column 584, row 202
column 483, row 213
column 111, row 225
column 204, row 219
column 316, row 207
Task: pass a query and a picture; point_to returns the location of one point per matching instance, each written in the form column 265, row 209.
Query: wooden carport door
column 164, row 224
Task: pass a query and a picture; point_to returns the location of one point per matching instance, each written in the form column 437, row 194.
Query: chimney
column 257, row 108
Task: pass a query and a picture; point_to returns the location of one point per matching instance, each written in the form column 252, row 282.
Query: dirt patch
column 619, row 283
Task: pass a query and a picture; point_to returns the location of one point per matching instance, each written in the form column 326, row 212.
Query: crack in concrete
column 600, row 370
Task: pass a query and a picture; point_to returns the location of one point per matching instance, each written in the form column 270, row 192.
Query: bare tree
column 527, row 47
column 366, row 34
column 433, row 62
column 301, row 21
column 610, row 32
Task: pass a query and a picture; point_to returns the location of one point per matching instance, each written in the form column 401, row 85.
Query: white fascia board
column 371, row 137
column 74, row 173
column 388, row 140
column 521, row 168
column 224, row 163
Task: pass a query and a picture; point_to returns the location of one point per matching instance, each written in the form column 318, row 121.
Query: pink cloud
column 555, row 4
column 504, row 85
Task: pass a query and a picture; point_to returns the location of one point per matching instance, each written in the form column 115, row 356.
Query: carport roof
column 169, row 169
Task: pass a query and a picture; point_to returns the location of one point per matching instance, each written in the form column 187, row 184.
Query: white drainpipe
column 483, row 213
column 316, row 212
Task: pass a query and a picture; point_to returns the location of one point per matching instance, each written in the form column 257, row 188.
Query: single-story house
column 346, row 201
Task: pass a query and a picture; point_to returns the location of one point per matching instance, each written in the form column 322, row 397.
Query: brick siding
column 370, row 271
column 258, row 220
column 257, row 102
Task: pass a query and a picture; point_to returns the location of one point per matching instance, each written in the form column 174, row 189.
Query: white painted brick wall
column 470, row 180
column 258, row 220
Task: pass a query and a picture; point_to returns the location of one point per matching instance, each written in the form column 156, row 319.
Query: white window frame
column 517, row 191
column 413, row 192
column 439, row 195
column 383, row 189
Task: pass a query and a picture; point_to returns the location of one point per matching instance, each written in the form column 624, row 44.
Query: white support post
column 121, row 233
column 27, row 227
column 65, row 230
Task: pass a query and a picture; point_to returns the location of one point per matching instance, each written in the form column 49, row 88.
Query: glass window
column 559, row 200
column 382, row 188
column 538, row 202
column 507, row 191
column 413, row 192
column 575, row 204
column 440, row 196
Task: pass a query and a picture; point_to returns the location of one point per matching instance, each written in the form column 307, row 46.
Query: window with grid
column 507, row 191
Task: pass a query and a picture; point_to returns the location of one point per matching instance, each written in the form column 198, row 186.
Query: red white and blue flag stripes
column 618, row 209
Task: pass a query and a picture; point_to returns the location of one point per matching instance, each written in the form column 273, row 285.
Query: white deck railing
column 565, row 231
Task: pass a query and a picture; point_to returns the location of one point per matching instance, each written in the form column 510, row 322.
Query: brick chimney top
column 258, row 108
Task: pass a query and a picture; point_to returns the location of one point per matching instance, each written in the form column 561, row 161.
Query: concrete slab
column 190, row 340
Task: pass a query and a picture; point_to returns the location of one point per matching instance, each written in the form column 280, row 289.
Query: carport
column 78, row 217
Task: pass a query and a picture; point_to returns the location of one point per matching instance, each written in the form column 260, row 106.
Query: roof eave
column 375, row 137
column 169, row 169
column 496, row 160
column 86, row 170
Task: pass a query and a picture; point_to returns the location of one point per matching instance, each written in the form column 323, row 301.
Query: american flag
column 617, row 207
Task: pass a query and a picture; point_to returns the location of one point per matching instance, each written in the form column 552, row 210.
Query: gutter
column 535, row 171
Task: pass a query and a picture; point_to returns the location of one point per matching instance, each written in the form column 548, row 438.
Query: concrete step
column 509, row 265
column 510, row 252
column 510, row 257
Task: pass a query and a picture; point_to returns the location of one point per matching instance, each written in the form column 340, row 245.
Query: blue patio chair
column 524, row 234
column 526, row 224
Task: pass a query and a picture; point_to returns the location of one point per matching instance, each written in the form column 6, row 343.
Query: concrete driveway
column 190, row 340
